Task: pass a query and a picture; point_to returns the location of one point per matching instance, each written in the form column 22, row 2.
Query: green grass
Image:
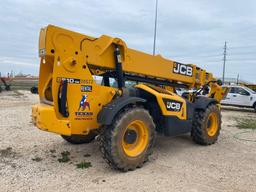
column 246, row 123
column 23, row 84
column 83, row 165
column 64, row 157
column 37, row 159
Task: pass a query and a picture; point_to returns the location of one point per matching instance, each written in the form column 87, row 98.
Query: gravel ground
column 29, row 158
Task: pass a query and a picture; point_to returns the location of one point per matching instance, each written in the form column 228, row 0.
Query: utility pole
column 224, row 62
column 237, row 79
column 154, row 45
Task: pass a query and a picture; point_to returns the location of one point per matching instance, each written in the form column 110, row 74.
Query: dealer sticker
column 86, row 88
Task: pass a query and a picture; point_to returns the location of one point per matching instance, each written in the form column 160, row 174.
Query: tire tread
column 198, row 134
column 108, row 148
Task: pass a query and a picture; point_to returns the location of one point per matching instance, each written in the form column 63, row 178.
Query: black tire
column 200, row 125
column 254, row 107
column 34, row 90
column 80, row 139
column 112, row 137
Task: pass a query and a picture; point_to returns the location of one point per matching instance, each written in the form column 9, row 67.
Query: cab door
column 243, row 97
column 230, row 99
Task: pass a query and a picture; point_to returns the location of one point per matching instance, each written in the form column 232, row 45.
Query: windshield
column 250, row 90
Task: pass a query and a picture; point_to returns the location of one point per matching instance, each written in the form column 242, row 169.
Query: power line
column 215, row 52
column 242, row 47
column 242, row 53
column 242, row 59
column 212, row 54
column 195, row 55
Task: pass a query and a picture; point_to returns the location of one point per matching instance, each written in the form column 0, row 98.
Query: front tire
column 206, row 125
column 80, row 139
column 128, row 142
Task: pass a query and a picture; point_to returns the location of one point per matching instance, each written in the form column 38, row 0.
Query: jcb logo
column 182, row 69
column 172, row 105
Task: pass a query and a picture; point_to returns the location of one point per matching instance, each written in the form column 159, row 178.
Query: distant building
column 22, row 76
column 230, row 81
column 235, row 81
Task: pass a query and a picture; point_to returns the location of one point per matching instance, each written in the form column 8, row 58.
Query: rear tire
column 254, row 107
column 128, row 142
column 80, row 139
column 206, row 125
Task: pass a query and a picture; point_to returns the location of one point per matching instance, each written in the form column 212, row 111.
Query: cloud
column 188, row 31
column 14, row 61
column 28, row 66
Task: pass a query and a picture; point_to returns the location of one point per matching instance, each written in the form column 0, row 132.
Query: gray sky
column 189, row 31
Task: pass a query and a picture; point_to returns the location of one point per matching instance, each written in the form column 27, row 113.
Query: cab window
column 239, row 90
column 232, row 90
column 242, row 91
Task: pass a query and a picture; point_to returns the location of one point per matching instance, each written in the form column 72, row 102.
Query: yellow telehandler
column 136, row 97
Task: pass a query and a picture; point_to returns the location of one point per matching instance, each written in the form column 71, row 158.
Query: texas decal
column 83, row 112
column 84, row 103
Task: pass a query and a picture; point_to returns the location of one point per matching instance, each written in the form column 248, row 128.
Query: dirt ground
column 29, row 158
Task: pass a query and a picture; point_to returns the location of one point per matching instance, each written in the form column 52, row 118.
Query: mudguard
column 109, row 111
column 203, row 102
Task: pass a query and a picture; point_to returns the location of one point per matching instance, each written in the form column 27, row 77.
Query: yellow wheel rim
column 212, row 124
column 135, row 138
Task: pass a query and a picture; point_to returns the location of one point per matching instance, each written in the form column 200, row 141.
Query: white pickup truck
column 240, row 96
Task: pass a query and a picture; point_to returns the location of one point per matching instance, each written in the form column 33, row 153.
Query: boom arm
column 97, row 54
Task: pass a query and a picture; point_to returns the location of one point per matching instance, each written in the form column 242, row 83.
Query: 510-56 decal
column 74, row 81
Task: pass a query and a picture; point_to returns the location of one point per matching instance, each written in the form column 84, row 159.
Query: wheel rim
column 212, row 124
column 135, row 138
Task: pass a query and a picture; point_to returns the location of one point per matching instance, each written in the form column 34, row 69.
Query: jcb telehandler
column 136, row 99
